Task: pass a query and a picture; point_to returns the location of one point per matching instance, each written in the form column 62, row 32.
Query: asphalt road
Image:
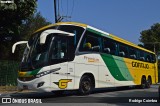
column 104, row 97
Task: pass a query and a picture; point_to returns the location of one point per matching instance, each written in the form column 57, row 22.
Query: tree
column 32, row 24
column 13, row 14
column 151, row 38
column 28, row 27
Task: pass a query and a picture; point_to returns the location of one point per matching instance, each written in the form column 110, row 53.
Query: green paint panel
column 123, row 68
column 31, row 73
column 34, row 72
column 99, row 33
column 28, row 74
column 113, row 67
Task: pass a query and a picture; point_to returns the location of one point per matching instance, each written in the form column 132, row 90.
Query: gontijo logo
column 62, row 84
column 140, row 65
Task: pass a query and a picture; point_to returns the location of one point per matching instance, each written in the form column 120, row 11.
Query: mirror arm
column 17, row 43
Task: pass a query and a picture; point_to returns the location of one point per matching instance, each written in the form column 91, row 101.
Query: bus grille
column 26, row 78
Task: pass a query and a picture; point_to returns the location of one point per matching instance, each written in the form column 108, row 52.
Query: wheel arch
column 150, row 77
column 91, row 76
column 143, row 76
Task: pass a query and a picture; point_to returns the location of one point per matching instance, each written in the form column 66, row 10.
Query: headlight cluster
column 47, row 72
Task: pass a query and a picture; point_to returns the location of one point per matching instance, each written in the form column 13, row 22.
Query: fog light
column 40, row 84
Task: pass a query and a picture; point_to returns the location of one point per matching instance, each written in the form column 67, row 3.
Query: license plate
column 25, row 87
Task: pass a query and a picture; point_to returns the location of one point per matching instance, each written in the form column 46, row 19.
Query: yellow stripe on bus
column 62, row 23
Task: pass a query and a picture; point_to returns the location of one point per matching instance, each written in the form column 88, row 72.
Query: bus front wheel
column 86, row 85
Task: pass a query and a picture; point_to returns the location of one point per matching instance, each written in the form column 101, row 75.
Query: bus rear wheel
column 143, row 83
column 149, row 82
column 86, row 85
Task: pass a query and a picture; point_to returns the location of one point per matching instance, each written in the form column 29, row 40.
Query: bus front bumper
column 37, row 84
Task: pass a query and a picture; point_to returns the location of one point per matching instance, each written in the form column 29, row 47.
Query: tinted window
column 141, row 55
column 153, row 58
column 90, row 42
column 132, row 53
column 148, row 57
column 73, row 29
column 109, row 46
column 123, row 50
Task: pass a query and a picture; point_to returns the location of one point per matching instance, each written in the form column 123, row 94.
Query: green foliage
column 28, row 27
column 8, row 72
column 12, row 14
column 140, row 45
column 150, row 37
column 32, row 24
column 25, row 28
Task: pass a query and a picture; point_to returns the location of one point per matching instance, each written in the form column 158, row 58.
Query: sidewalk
column 7, row 89
column 11, row 89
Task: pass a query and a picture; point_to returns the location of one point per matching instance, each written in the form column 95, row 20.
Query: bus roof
column 100, row 32
column 62, row 23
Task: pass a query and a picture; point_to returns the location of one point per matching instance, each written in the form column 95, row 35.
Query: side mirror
column 17, row 43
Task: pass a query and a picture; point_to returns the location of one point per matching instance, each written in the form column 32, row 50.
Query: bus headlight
column 47, row 72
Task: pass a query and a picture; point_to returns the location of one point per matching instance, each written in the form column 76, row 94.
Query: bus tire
column 143, row 83
column 58, row 93
column 148, row 82
column 86, row 85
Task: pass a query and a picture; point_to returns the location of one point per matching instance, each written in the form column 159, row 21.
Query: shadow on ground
column 57, row 94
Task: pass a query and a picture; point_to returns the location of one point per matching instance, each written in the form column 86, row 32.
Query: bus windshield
column 54, row 51
column 38, row 55
column 35, row 55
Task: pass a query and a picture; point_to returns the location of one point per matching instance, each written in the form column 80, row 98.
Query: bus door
column 64, row 77
column 59, row 75
column 59, row 61
column 62, row 55
column 71, row 75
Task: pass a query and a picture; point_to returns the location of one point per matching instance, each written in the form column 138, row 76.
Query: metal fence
column 8, row 74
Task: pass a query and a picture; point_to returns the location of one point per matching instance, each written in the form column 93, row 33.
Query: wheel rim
column 143, row 84
column 150, row 81
column 86, row 86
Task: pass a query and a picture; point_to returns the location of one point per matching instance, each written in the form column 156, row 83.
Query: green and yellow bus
column 76, row 56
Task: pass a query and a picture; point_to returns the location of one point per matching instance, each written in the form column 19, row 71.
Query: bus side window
column 148, row 57
column 123, row 50
column 141, row 56
column 153, row 58
column 132, row 53
column 90, row 42
column 109, row 46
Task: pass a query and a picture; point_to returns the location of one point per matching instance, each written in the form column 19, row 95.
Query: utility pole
column 55, row 11
column 58, row 18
